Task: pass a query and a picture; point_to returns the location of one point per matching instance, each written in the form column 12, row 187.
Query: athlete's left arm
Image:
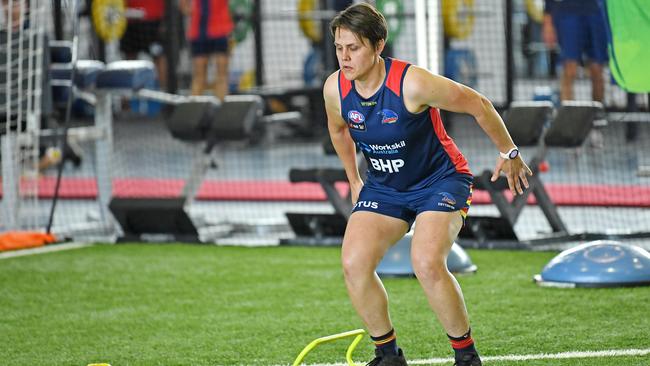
column 423, row 89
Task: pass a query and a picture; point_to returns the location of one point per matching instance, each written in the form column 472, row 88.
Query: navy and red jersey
column 209, row 19
column 404, row 151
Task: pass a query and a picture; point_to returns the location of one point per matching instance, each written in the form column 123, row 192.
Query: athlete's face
column 356, row 57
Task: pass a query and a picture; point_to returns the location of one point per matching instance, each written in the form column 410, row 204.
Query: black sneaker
column 388, row 360
column 469, row 359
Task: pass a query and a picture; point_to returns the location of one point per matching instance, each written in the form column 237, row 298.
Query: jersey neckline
column 387, row 62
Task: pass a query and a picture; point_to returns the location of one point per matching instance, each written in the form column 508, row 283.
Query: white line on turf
column 539, row 356
column 45, row 249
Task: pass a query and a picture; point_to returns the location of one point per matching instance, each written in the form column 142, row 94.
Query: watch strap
column 506, row 155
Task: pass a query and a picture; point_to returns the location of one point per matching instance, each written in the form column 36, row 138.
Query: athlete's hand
column 515, row 170
column 355, row 189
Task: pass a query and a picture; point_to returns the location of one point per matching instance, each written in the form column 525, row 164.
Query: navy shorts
column 580, row 35
column 450, row 194
column 208, row 46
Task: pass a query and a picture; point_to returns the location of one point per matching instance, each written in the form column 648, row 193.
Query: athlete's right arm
column 340, row 135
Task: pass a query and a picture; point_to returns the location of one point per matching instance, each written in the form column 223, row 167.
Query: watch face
column 513, row 153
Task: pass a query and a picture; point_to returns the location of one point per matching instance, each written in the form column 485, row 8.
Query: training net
column 243, row 191
column 21, row 89
column 599, row 185
column 39, row 48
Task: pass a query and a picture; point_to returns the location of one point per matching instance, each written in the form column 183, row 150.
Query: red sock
column 463, row 344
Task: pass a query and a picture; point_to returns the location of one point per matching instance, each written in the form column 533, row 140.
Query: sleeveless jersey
column 209, row 19
column 404, row 151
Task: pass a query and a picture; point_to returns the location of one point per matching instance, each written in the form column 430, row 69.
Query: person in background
column 209, row 32
column 18, row 14
column 578, row 26
column 145, row 32
column 389, row 109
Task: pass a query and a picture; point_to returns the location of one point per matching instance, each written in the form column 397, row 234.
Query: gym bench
column 531, row 124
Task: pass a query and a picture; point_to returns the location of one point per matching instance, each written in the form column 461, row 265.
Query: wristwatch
column 511, row 154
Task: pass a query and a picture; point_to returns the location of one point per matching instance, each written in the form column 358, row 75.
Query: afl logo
column 388, row 116
column 356, row 120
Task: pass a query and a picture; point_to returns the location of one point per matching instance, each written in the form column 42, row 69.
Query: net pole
column 68, row 109
column 434, row 31
column 9, row 180
column 428, row 35
column 421, row 33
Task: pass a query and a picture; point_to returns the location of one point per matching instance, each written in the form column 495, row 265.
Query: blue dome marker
column 397, row 260
column 601, row 263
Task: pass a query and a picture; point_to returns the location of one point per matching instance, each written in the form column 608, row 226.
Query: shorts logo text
column 367, row 204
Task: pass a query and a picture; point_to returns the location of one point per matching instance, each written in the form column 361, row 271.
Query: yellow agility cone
column 348, row 355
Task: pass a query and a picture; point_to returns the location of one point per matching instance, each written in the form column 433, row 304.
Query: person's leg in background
column 161, row 66
column 570, row 37
column 157, row 52
column 199, row 66
column 597, row 53
column 221, row 77
column 597, row 81
column 199, row 73
column 221, row 49
column 568, row 78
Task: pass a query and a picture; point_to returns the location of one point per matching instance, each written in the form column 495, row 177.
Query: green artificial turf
column 208, row 305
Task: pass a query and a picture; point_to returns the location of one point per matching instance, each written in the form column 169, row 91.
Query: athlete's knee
column 356, row 266
column 430, row 267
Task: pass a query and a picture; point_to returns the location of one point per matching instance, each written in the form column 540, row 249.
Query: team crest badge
column 388, row 116
column 447, row 198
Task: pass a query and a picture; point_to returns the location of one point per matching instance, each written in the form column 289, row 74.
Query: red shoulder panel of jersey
column 345, row 85
column 448, row 143
column 394, row 78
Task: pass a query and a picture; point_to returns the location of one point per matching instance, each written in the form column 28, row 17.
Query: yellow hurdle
column 348, row 355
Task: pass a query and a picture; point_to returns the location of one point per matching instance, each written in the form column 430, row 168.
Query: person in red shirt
column 209, row 33
column 144, row 33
